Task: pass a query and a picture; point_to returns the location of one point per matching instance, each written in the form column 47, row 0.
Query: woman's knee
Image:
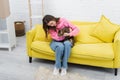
column 57, row 45
column 67, row 43
column 60, row 47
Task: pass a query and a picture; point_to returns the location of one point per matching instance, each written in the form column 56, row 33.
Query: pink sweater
column 61, row 24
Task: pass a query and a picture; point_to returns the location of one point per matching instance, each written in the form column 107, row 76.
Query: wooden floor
column 15, row 66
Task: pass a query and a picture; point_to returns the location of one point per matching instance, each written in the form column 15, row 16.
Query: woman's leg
column 67, row 50
column 58, row 47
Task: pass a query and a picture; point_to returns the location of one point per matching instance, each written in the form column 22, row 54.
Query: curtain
column 4, row 9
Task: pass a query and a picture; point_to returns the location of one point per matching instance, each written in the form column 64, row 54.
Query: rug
column 46, row 74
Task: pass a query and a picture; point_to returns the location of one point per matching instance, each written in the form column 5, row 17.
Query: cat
column 66, row 30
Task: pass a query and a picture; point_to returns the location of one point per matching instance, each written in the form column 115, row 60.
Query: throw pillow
column 105, row 30
column 40, row 34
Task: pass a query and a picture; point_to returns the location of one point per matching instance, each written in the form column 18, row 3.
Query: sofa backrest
column 40, row 34
column 84, row 35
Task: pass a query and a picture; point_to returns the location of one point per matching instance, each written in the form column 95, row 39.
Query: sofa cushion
column 84, row 35
column 40, row 35
column 99, row 51
column 105, row 30
column 42, row 47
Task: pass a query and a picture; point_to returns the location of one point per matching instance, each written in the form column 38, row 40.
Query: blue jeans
column 62, row 52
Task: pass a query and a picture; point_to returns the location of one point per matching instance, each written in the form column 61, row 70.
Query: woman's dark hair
column 46, row 19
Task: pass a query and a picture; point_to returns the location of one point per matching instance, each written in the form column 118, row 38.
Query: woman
column 61, row 47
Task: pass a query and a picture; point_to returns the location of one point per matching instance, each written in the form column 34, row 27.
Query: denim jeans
column 62, row 52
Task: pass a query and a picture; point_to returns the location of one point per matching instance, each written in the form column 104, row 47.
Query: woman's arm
column 55, row 36
column 74, row 30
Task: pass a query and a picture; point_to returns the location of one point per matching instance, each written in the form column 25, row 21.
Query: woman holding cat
column 61, row 47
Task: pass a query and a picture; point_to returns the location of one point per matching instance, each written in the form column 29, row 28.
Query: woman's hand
column 66, row 34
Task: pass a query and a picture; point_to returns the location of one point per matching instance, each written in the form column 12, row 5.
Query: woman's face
column 52, row 23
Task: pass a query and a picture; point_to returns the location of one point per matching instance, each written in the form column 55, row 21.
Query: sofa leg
column 116, row 70
column 30, row 59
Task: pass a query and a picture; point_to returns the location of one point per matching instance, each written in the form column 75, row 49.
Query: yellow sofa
column 88, row 49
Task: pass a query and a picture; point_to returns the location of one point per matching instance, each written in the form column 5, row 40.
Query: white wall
column 19, row 11
column 82, row 10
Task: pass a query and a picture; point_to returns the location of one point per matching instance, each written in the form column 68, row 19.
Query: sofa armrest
column 116, row 47
column 29, row 39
